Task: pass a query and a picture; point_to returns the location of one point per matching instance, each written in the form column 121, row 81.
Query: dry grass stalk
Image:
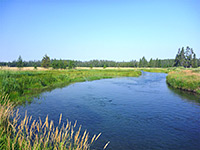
column 27, row 134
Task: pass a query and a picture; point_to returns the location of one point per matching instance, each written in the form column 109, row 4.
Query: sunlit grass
column 156, row 70
column 188, row 80
column 28, row 134
column 20, row 84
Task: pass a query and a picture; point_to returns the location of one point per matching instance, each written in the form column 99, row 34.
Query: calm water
column 132, row 113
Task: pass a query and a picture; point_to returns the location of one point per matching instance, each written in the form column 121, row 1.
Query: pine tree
column 186, row 58
column 182, row 57
column 20, row 63
column 71, row 64
column 143, row 62
column 151, row 63
column 177, row 59
column 46, row 62
column 194, row 61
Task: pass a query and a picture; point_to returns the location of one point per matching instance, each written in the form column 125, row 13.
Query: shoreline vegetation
column 21, row 85
column 187, row 80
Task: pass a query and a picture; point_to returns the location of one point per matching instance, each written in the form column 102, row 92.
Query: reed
column 28, row 134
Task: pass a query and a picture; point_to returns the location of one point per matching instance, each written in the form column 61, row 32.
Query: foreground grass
column 28, row 134
column 20, row 85
column 188, row 80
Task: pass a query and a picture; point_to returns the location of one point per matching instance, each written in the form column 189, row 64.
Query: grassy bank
column 156, row 70
column 164, row 70
column 188, row 80
column 21, row 85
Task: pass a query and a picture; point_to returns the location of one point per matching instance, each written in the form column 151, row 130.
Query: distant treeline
column 160, row 63
column 96, row 63
column 185, row 57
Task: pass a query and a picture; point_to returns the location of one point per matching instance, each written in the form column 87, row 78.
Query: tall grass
column 188, row 80
column 28, row 134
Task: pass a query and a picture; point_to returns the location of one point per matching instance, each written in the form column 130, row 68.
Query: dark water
column 132, row 113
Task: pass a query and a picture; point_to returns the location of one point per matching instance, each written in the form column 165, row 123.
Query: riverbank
column 21, row 85
column 188, row 80
column 157, row 70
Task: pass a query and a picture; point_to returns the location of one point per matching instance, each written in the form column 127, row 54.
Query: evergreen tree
column 55, row 64
column 62, row 65
column 151, row 63
column 198, row 62
column 46, row 62
column 143, row 62
column 188, row 57
column 20, row 62
column 65, row 64
column 140, row 63
column 182, row 57
column 71, row 64
column 194, row 62
column 177, row 59
column 157, row 63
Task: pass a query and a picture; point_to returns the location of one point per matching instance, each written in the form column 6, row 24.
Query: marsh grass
column 28, row 134
column 22, row 84
column 188, row 80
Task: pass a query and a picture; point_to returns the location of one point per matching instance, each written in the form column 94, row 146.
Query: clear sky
column 98, row 29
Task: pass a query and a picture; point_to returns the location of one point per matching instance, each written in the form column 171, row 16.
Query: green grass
column 164, row 70
column 21, row 85
column 156, row 70
column 188, row 80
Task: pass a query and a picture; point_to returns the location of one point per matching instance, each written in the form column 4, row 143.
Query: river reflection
column 189, row 96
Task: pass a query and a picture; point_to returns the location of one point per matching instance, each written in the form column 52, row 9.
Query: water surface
column 132, row 113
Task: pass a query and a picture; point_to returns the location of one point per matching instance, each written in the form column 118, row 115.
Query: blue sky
column 98, row 29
